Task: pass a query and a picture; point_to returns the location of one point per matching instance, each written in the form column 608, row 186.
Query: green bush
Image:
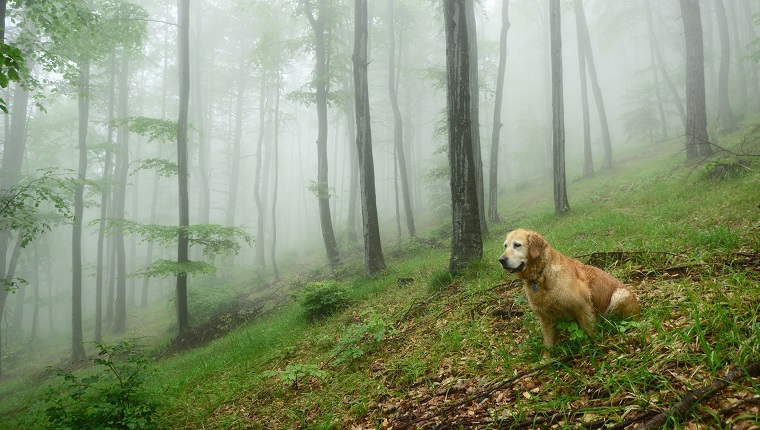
column 111, row 397
column 320, row 299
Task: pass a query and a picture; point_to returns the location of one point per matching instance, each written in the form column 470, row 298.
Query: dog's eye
column 517, row 245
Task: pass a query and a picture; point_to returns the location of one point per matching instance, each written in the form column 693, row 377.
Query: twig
column 487, row 393
column 696, row 396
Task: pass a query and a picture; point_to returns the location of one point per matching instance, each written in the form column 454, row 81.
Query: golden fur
column 558, row 287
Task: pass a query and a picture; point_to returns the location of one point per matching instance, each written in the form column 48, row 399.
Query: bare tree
column 697, row 140
column 466, row 240
column 493, row 188
column 727, row 120
column 561, row 204
column 183, row 9
column 373, row 251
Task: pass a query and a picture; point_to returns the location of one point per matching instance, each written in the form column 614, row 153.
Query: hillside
column 418, row 349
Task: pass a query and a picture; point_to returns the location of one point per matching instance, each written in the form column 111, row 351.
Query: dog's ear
column 536, row 245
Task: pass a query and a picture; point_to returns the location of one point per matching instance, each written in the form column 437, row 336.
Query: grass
column 417, row 348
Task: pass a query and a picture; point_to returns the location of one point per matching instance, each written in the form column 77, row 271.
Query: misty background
column 241, row 51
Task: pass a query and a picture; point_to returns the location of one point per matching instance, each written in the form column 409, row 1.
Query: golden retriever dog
column 561, row 288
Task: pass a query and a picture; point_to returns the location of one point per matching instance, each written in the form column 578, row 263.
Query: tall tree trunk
column 697, row 140
column 475, row 116
column 321, row 81
column 580, row 21
column 753, row 78
column 105, row 197
column 739, row 55
column 561, row 204
column 202, row 104
column 36, row 313
column 493, row 185
column 596, row 89
column 658, row 93
column 398, row 135
column 661, row 64
column 182, row 174
column 353, row 192
column 120, row 196
column 259, row 255
column 77, row 347
column 234, row 178
column 727, row 120
column 466, row 240
column 374, row 261
column 276, row 184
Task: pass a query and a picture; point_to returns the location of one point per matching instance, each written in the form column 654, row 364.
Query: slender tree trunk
column 697, row 140
column 398, row 134
column 475, row 116
column 753, row 79
column 202, row 104
column 184, row 205
column 493, row 188
column 741, row 73
column 353, row 193
column 374, row 261
column 105, row 197
column 561, row 204
column 120, row 196
column 727, row 120
column 596, row 89
column 77, row 347
column 234, row 178
column 321, row 77
column 466, row 240
column 661, row 64
column 658, row 93
column 588, row 160
column 259, row 255
column 37, row 301
column 276, row 184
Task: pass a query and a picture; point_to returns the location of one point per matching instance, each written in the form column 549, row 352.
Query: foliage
column 319, row 299
column 214, row 239
column 361, row 338
column 572, row 328
column 296, row 372
column 112, row 397
column 155, row 129
column 164, row 168
column 169, row 268
column 321, row 190
column 12, row 68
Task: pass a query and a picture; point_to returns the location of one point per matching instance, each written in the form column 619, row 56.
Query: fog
column 234, row 46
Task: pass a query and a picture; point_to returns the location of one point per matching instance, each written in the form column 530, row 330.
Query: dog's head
column 520, row 249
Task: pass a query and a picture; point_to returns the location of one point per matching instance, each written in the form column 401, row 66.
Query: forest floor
column 417, row 348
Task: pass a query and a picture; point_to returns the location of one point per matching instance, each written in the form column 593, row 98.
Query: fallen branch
column 696, row 396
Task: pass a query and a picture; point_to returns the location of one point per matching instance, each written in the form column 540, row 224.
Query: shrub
column 320, row 299
column 111, row 397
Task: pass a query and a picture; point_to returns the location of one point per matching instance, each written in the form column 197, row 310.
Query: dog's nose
column 503, row 261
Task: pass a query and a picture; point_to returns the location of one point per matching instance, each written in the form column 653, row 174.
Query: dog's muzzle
column 505, row 264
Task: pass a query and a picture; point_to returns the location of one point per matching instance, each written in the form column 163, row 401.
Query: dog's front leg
column 549, row 332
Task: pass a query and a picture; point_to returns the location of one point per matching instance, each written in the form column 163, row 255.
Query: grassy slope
column 437, row 351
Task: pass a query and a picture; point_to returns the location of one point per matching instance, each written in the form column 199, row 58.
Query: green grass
column 415, row 342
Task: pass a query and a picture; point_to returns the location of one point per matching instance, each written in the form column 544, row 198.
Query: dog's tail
column 623, row 303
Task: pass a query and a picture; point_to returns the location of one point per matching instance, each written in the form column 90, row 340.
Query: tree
column 561, row 204
column 320, row 24
column 183, row 9
column 398, row 135
column 727, row 120
column 588, row 55
column 373, row 252
column 475, row 115
column 466, row 240
column 493, row 188
column 588, row 161
column 697, row 140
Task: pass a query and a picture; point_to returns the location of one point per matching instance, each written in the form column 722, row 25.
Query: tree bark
column 321, row 81
column 398, row 135
column 374, row 261
column 588, row 160
column 697, row 140
column 561, row 204
column 727, row 120
column 493, row 186
column 275, row 187
column 184, row 204
column 466, row 240
column 353, row 192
